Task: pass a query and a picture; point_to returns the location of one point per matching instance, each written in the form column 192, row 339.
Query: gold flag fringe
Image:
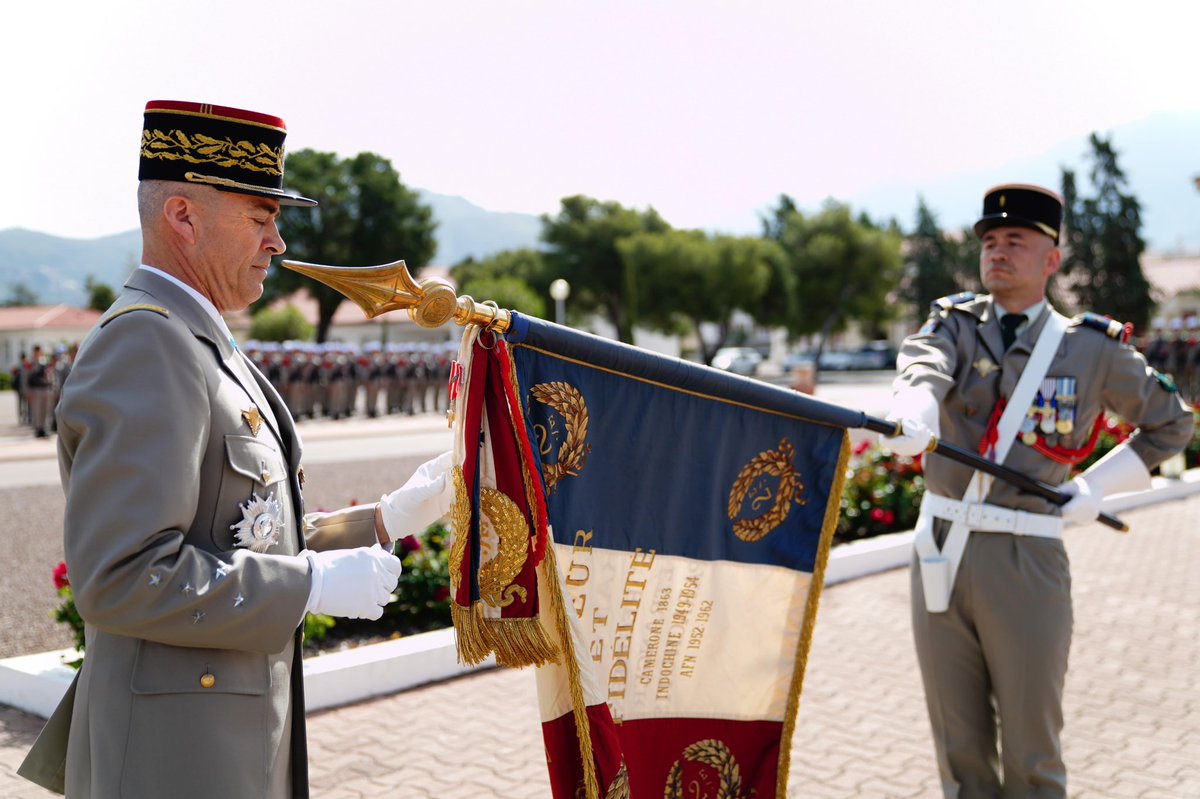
column 578, row 704
column 832, row 511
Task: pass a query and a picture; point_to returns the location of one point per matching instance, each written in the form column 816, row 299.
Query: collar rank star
column 262, row 519
column 253, row 419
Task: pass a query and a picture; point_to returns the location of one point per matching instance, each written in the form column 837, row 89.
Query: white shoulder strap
column 937, row 591
column 1031, row 379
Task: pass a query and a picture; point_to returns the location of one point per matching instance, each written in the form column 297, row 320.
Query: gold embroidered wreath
column 710, row 752
column 777, row 463
column 567, row 400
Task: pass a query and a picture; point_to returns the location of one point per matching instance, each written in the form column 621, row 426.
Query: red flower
column 889, row 518
column 876, row 514
column 441, row 593
column 60, row 576
column 410, row 543
column 861, row 447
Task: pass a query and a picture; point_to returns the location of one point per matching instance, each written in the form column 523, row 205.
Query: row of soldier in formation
column 331, row 380
column 36, row 378
column 1176, row 352
column 337, row 380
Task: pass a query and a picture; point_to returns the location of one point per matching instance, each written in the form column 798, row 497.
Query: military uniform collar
column 988, row 312
column 192, row 306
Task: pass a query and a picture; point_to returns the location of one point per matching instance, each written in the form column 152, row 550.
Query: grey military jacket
column 191, row 685
column 959, row 356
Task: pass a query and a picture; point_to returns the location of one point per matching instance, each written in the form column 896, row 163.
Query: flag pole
column 432, row 303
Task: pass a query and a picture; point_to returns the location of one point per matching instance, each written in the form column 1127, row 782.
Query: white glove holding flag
column 420, row 502
column 1117, row 472
column 915, row 410
column 352, row 583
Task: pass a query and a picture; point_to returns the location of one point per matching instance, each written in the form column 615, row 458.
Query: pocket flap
column 163, row 669
column 254, row 459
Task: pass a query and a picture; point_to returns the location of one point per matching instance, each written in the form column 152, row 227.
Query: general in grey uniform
column 991, row 585
column 188, row 548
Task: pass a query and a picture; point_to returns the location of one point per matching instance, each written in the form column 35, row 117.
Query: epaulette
column 948, row 302
column 1105, row 324
column 156, row 308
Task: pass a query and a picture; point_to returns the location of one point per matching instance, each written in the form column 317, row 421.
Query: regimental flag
column 690, row 517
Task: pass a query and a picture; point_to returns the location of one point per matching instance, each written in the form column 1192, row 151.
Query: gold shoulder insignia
column 141, row 307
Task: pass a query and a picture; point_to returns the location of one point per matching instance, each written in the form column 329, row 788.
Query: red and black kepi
column 227, row 148
column 1021, row 205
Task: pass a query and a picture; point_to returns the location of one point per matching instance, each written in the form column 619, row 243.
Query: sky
column 707, row 111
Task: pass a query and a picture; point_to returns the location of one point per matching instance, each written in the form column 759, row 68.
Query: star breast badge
column 262, row 519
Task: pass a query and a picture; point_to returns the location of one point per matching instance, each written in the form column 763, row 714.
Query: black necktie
column 1008, row 327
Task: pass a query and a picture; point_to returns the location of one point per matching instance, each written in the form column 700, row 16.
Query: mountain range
column 1158, row 155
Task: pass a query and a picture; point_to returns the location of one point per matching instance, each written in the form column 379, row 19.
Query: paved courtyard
column 1132, row 703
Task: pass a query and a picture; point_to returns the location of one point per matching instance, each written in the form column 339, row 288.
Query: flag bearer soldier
column 189, row 552
column 991, row 599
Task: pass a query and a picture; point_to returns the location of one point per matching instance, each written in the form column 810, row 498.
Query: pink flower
column 876, row 514
column 410, row 543
column 60, row 576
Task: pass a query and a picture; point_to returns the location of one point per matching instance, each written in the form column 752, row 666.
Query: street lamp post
column 559, row 291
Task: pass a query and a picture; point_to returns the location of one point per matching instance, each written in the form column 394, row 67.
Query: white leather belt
column 984, row 518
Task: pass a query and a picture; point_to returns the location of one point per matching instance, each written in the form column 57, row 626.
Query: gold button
column 208, row 681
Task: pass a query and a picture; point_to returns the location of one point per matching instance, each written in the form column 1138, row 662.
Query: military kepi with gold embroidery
column 227, row 148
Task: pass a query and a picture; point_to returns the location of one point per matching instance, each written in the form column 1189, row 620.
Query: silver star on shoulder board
column 187, row 588
column 238, row 600
column 155, row 579
column 221, row 572
column 197, row 617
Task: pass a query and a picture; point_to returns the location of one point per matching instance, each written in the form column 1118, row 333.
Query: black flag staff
column 432, row 303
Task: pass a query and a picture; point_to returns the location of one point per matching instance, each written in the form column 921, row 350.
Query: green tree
column 837, row 269
column 515, row 279
column 1102, row 245
column 100, row 295
column 686, row 276
column 279, row 324
column 931, row 269
column 366, row 217
column 20, row 295
column 582, row 249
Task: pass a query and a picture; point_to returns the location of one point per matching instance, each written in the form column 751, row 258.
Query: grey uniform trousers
column 995, row 664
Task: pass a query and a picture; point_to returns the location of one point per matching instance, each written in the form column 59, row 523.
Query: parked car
column 739, row 360
column 878, row 355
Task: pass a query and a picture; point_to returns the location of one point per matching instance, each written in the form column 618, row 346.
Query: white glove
column 915, row 410
column 420, row 502
column 352, row 583
column 1117, row 472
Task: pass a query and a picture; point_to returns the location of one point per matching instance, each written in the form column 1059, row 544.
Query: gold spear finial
column 389, row 287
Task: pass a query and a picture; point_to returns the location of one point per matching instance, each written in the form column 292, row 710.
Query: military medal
column 1028, row 428
column 262, row 519
column 1047, row 392
column 1066, row 405
column 254, row 419
column 985, row 367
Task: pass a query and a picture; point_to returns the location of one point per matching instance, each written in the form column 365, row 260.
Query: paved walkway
column 1132, row 703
